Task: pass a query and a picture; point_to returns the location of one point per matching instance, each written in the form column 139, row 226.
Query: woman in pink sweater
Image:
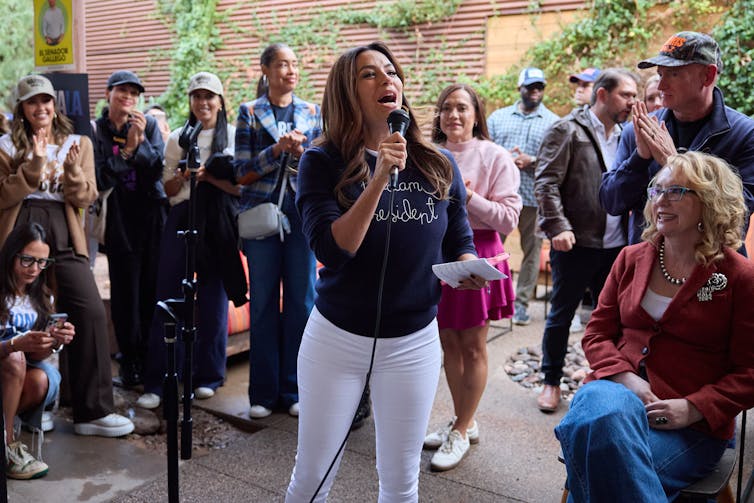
column 493, row 206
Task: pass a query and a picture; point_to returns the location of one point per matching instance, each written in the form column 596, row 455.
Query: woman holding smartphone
column 29, row 384
column 128, row 159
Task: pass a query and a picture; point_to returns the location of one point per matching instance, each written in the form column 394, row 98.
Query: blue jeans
column 276, row 335
column 211, row 321
column 572, row 272
column 612, row 454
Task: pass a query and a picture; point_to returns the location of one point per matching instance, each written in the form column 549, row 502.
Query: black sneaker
column 362, row 412
column 130, row 374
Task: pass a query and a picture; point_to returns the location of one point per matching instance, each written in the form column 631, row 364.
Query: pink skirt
column 462, row 309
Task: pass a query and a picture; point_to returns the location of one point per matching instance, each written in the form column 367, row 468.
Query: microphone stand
column 181, row 312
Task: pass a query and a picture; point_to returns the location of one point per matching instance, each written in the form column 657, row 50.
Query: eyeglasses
column 28, row 261
column 672, row 193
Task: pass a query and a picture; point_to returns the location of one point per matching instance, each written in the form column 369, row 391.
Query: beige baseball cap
column 32, row 85
column 207, row 81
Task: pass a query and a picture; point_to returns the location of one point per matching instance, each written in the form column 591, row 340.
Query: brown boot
column 549, row 399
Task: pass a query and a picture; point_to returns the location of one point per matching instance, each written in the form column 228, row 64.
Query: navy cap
column 588, row 75
column 122, row 77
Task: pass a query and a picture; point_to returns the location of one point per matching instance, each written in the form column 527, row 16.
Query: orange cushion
column 238, row 317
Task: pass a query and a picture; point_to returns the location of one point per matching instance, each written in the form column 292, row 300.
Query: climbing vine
column 401, row 14
column 196, row 36
column 736, row 38
column 609, row 33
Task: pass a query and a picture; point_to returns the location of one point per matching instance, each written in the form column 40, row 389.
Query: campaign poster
column 72, row 91
column 53, row 35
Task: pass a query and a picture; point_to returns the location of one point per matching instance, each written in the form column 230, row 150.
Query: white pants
column 332, row 367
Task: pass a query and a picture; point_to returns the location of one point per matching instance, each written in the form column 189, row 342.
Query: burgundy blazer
column 701, row 350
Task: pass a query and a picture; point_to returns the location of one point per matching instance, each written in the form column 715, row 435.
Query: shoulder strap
column 283, row 185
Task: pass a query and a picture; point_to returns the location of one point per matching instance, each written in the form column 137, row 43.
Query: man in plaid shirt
column 520, row 128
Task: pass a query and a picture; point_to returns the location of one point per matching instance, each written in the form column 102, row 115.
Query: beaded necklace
column 665, row 273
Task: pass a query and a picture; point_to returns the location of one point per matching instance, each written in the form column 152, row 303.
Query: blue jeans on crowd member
column 275, row 335
column 572, row 272
column 611, row 453
column 211, row 320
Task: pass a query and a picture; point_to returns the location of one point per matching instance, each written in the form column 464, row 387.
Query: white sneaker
column 47, row 421
column 473, row 433
column 259, row 411
column 293, row 410
column 112, row 425
column 576, row 325
column 450, row 453
column 438, row 437
column 148, row 401
column 21, row 465
column 202, row 392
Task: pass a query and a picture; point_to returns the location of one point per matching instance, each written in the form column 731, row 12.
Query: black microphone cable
column 377, row 324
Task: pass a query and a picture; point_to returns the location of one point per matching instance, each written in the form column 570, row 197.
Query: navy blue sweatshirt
column 425, row 231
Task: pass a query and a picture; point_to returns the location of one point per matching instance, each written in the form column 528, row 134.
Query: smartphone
column 56, row 320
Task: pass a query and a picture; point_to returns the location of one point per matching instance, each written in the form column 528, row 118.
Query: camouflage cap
column 686, row 48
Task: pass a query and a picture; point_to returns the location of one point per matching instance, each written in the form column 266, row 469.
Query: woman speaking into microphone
column 376, row 294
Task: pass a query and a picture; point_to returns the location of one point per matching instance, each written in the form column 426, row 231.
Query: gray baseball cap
column 207, row 81
column 32, row 85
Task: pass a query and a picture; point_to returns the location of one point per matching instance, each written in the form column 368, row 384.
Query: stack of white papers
column 453, row 272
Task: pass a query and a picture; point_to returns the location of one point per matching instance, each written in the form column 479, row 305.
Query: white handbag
column 266, row 219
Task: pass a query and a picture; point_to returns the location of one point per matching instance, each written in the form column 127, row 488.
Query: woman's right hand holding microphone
column 391, row 153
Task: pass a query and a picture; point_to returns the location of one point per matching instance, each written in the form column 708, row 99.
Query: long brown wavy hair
column 343, row 122
column 22, row 135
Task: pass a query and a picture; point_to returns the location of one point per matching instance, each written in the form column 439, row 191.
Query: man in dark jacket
column 574, row 154
column 695, row 118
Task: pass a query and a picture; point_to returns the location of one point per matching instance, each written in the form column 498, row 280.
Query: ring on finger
column 661, row 420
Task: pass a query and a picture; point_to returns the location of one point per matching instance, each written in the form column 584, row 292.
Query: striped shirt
column 509, row 128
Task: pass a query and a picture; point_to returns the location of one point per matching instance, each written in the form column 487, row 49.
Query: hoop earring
column 700, row 226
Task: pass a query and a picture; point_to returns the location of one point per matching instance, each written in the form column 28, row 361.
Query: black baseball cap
column 122, row 77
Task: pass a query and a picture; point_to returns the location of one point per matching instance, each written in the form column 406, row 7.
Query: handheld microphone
column 398, row 120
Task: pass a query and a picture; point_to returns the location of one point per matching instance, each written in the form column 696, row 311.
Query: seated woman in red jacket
column 671, row 344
